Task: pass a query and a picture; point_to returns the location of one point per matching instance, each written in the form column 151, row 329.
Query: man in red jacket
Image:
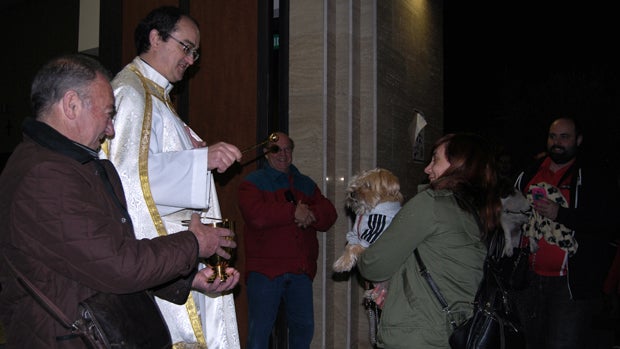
column 282, row 209
column 64, row 220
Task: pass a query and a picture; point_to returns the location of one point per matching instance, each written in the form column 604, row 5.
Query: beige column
column 357, row 71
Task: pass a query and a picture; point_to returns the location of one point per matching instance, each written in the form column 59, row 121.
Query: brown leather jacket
column 71, row 237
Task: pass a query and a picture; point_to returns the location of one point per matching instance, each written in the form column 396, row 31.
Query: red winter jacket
column 274, row 245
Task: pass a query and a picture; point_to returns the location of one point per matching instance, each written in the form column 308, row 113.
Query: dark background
column 510, row 68
column 513, row 67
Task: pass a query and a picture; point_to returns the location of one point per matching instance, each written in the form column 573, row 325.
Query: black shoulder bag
column 492, row 324
column 119, row 321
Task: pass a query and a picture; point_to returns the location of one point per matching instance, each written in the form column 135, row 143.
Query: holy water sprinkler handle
column 272, row 138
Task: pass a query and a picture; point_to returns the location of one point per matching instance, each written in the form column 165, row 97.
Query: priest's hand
column 201, row 281
column 221, row 156
column 211, row 240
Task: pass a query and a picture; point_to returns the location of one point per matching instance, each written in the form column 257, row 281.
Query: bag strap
column 45, row 302
column 427, row 276
column 442, row 300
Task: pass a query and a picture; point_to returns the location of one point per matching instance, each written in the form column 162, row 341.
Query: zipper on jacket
column 577, row 186
column 518, row 181
column 570, row 291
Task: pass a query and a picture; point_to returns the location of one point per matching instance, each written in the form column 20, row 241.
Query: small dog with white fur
column 516, row 212
column 375, row 198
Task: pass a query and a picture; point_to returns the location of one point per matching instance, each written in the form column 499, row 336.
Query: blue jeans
column 264, row 296
column 551, row 319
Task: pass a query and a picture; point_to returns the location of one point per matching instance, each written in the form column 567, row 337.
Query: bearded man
column 567, row 274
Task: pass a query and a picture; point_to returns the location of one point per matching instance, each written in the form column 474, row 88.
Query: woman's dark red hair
column 471, row 176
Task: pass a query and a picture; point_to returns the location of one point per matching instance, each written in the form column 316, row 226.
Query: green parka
column 448, row 240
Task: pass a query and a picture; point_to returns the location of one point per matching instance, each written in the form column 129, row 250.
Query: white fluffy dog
column 375, row 198
column 516, row 211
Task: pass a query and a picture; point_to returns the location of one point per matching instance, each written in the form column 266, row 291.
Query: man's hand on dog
column 547, row 208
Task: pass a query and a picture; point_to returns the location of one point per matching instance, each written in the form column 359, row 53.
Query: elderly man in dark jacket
column 63, row 217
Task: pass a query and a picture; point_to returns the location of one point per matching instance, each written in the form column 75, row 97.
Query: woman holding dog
column 442, row 223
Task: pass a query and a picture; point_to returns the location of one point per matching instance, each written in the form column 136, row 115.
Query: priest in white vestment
column 165, row 168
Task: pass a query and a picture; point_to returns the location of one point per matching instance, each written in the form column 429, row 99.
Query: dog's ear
column 390, row 186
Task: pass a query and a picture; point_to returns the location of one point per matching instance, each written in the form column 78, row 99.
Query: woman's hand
column 379, row 292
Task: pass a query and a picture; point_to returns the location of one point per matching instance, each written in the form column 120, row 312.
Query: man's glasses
column 285, row 150
column 187, row 49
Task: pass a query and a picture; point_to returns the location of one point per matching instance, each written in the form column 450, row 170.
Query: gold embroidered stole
column 151, row 89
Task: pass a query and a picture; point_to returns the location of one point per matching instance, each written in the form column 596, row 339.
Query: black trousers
column 551, row 319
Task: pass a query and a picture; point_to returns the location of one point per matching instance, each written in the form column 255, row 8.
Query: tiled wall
column 358, row 70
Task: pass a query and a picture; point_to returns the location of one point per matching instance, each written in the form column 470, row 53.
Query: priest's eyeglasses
column 187, row 49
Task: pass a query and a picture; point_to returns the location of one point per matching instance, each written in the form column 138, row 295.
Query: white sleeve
column 180, row 179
